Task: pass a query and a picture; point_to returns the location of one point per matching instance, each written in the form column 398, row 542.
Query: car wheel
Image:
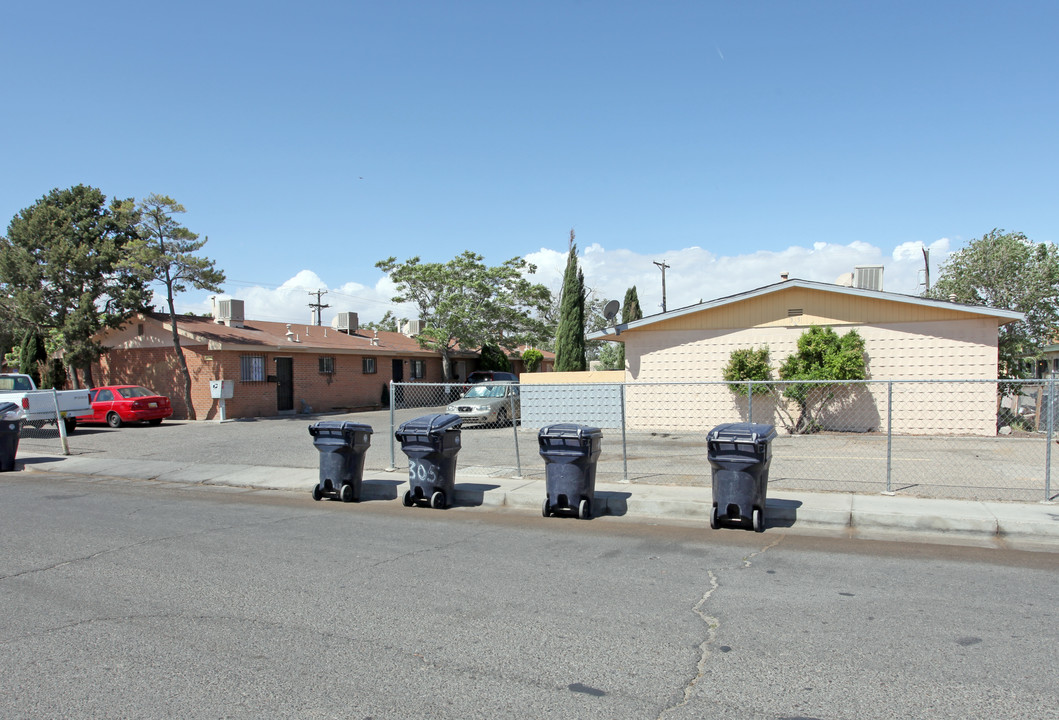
column 71, row 425
column 437, row 500
column 113, row 419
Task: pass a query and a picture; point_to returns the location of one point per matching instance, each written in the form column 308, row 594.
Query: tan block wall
column 964, row 349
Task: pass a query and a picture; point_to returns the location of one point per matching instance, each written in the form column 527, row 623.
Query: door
column 398, row 376
column 101, row 405
column 284, row 384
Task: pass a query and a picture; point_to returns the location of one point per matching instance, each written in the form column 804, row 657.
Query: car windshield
column 135, row 392
column 485, row 391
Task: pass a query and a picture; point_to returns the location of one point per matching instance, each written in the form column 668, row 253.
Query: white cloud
column 693, row 274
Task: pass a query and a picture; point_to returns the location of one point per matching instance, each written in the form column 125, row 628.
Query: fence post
column 393, row 438
column 889, row 434
column 750, row 401
column 1051, row 432
column 514, row 431
column 59, row 423
column 624, row 451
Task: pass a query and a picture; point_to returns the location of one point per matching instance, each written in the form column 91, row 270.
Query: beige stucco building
column 906, row 338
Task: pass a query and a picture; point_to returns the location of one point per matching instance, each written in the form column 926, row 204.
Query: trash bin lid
column 569, row 430
column 746, row 432
column 339, row 427
column 435, row 424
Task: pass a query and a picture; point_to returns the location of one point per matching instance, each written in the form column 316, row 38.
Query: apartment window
column 1055, row 365
column 368, row 366
column 252, row 368
column 327, row 365
column 419, row 369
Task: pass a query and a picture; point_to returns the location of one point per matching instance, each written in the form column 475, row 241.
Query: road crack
column 712, row 626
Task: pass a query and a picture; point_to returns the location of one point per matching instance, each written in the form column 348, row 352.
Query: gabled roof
column 1005, row 316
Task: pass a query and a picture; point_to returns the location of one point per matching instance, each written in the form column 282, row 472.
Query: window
column 368, row 366
column 1055, row 365
column 104, row 396
column 327, row 365
column 252, row 368
column 419, row 369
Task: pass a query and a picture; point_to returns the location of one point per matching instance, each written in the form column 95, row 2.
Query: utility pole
column 662, row 266
column 317, row 306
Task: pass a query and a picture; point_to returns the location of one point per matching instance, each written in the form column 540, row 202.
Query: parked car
column 488, row 404
column 491, row 376
column 119, row 404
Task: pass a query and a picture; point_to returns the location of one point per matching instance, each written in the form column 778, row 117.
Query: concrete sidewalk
column 1031, row 526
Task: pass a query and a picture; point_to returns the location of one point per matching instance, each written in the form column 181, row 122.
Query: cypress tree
column 570, row 338
column 630, row 310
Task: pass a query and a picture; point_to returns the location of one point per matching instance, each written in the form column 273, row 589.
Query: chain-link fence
column 965, row 439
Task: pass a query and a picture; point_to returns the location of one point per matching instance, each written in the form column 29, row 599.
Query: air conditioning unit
column 413, row 327
column 868, row 277
column 347, row 322
column 230, row 313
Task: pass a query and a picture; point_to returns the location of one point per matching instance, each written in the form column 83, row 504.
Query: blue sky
column 733, row 140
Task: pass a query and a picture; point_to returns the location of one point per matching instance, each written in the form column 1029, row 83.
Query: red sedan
column 118, row 404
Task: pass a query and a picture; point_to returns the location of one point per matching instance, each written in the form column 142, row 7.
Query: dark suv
column 490, row 375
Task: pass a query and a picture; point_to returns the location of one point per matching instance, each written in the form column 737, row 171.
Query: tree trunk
column 183, row 361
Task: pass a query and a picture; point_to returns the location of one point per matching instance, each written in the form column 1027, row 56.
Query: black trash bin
column 739, row 455
column 570, row 453
column 10, row 426
column 431, row 443
column 342, row 446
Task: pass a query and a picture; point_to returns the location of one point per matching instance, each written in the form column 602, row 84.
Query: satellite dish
column 610, row 311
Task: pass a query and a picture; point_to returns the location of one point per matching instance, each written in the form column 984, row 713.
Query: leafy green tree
column 630, row 311
column 610, row 357
column 165, row 253
column 465, row 303
column 388, row 323
column 60, row 269
column 748, row 364
column 822, row 355
column 570, row 336
column 1008, row 271
column 532, row 357
column 492, row 357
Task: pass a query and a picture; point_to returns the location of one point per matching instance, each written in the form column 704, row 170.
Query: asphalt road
column 139, row 599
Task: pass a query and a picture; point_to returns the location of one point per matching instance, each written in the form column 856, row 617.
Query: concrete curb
column 1031, row 524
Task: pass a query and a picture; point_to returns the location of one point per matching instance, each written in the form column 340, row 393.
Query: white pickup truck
column 38, row 406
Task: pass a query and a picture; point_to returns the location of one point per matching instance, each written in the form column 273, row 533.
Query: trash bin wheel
column 437, row 500
column 547, row 509
column 346, row 493
column 584, row 509
column 758, row 519
column 316, row 493
column 407, row 499
column 714, row 524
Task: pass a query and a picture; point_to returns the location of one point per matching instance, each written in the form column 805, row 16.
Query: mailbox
column 222, row 389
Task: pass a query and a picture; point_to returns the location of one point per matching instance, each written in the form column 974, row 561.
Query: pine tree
column 570, row 338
